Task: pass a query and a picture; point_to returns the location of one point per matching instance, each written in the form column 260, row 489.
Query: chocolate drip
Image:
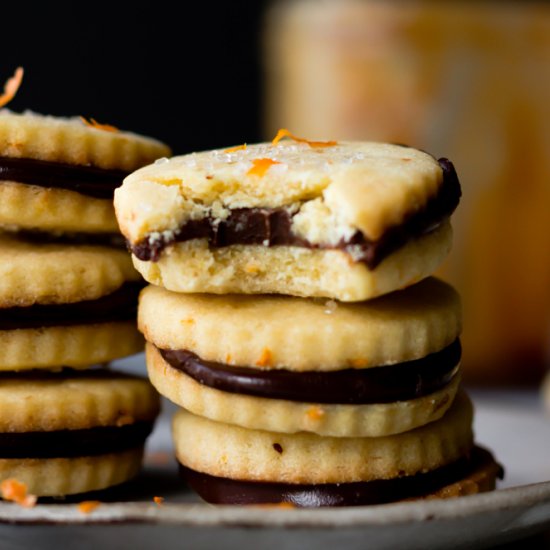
column 399, row 382
column 219, row 490
column 272, row 227
column 74, row 443
column 86, row 180
column 120, row 305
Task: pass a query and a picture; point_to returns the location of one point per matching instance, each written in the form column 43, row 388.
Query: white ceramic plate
column 512, row 424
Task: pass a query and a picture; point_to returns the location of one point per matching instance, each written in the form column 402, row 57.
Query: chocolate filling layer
column 86, row 180
column 120, row 305
column 219, row 490
column 399, row 382
column 74, row 443
column 272, row 227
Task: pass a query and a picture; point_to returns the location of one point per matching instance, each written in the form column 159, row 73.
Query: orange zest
column 158, row 500
column 261, row 166
column 279, row 505
column 315, row 413
column 283, row 132
column 237, row 148
column 88, row 506
column 16, row 491
column 124, row 420
column 93, row 123
column 266, row 358
column 11, row 86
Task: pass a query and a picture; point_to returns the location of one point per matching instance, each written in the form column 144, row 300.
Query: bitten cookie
column 59, row 174
column 227, row 464
column 62, row 434
column 64, row 305
column 345, row 220
column 292, row 364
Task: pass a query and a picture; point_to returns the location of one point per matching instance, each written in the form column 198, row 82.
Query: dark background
column 187, row 73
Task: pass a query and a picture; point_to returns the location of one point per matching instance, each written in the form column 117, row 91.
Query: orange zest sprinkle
column 228, row 358
column 93, row 123
column 11, row 86
column 158, row 500
column 88, row 506
column 266, row 358
column 315, row 413
column 124, row 420
column 261, row 166
column 359, row 363
column 280, row 505
column 235, row 149
column 283, row 132
column 16, row 491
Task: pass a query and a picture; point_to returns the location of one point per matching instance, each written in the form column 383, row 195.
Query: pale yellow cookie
column 355, row 186
column 32, row 273
column 41, row 186
column 234, row 452
column 192, row 266
column 38, row 402
column 77, row 346
column 277, row 415
column 304, row 334
column 68, row 476
column 49, row 209
column 71, row 141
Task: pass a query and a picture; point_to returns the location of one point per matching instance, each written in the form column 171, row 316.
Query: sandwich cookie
column 348, row 221
column 59, row 174
column 63, row 434
column 289, row 364
column 65, row 305
column 227, row 464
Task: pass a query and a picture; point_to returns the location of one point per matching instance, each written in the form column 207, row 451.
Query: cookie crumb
column 16, row 491
column 266, row 358
column 161, row 160
column 278, row 448
column 88, row 506
column 330, row 306
column 159, row 501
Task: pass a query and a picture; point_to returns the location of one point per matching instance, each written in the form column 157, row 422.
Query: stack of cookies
column 68, row 300
column 346, row 390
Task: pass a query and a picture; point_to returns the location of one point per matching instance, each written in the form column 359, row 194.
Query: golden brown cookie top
column 72, row 141
column 304, row 334
column 363, row 186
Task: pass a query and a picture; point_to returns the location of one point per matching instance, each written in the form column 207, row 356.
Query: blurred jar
column 462, row 79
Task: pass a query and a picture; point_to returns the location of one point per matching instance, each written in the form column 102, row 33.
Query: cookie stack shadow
column 344, row 391
column 68, row 301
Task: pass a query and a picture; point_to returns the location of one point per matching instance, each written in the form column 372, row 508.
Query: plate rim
column 262, row 516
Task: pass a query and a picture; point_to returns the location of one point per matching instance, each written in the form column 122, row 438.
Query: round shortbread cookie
column 471, row 474
column 357, row 185
column 304, row 334
column 76, row 346
column 69, row 140
column 68, row 476
column 44, row 273
column 194, row 267
column 234, row 452
column 49, row 209
column 36, row 402
column 277, row 415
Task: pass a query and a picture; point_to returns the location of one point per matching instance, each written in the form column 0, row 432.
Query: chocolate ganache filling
column 273, row 227
column 398, row 382
column 74, row 443
column 219, row 490
column 94, row 182
column 120, row 305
